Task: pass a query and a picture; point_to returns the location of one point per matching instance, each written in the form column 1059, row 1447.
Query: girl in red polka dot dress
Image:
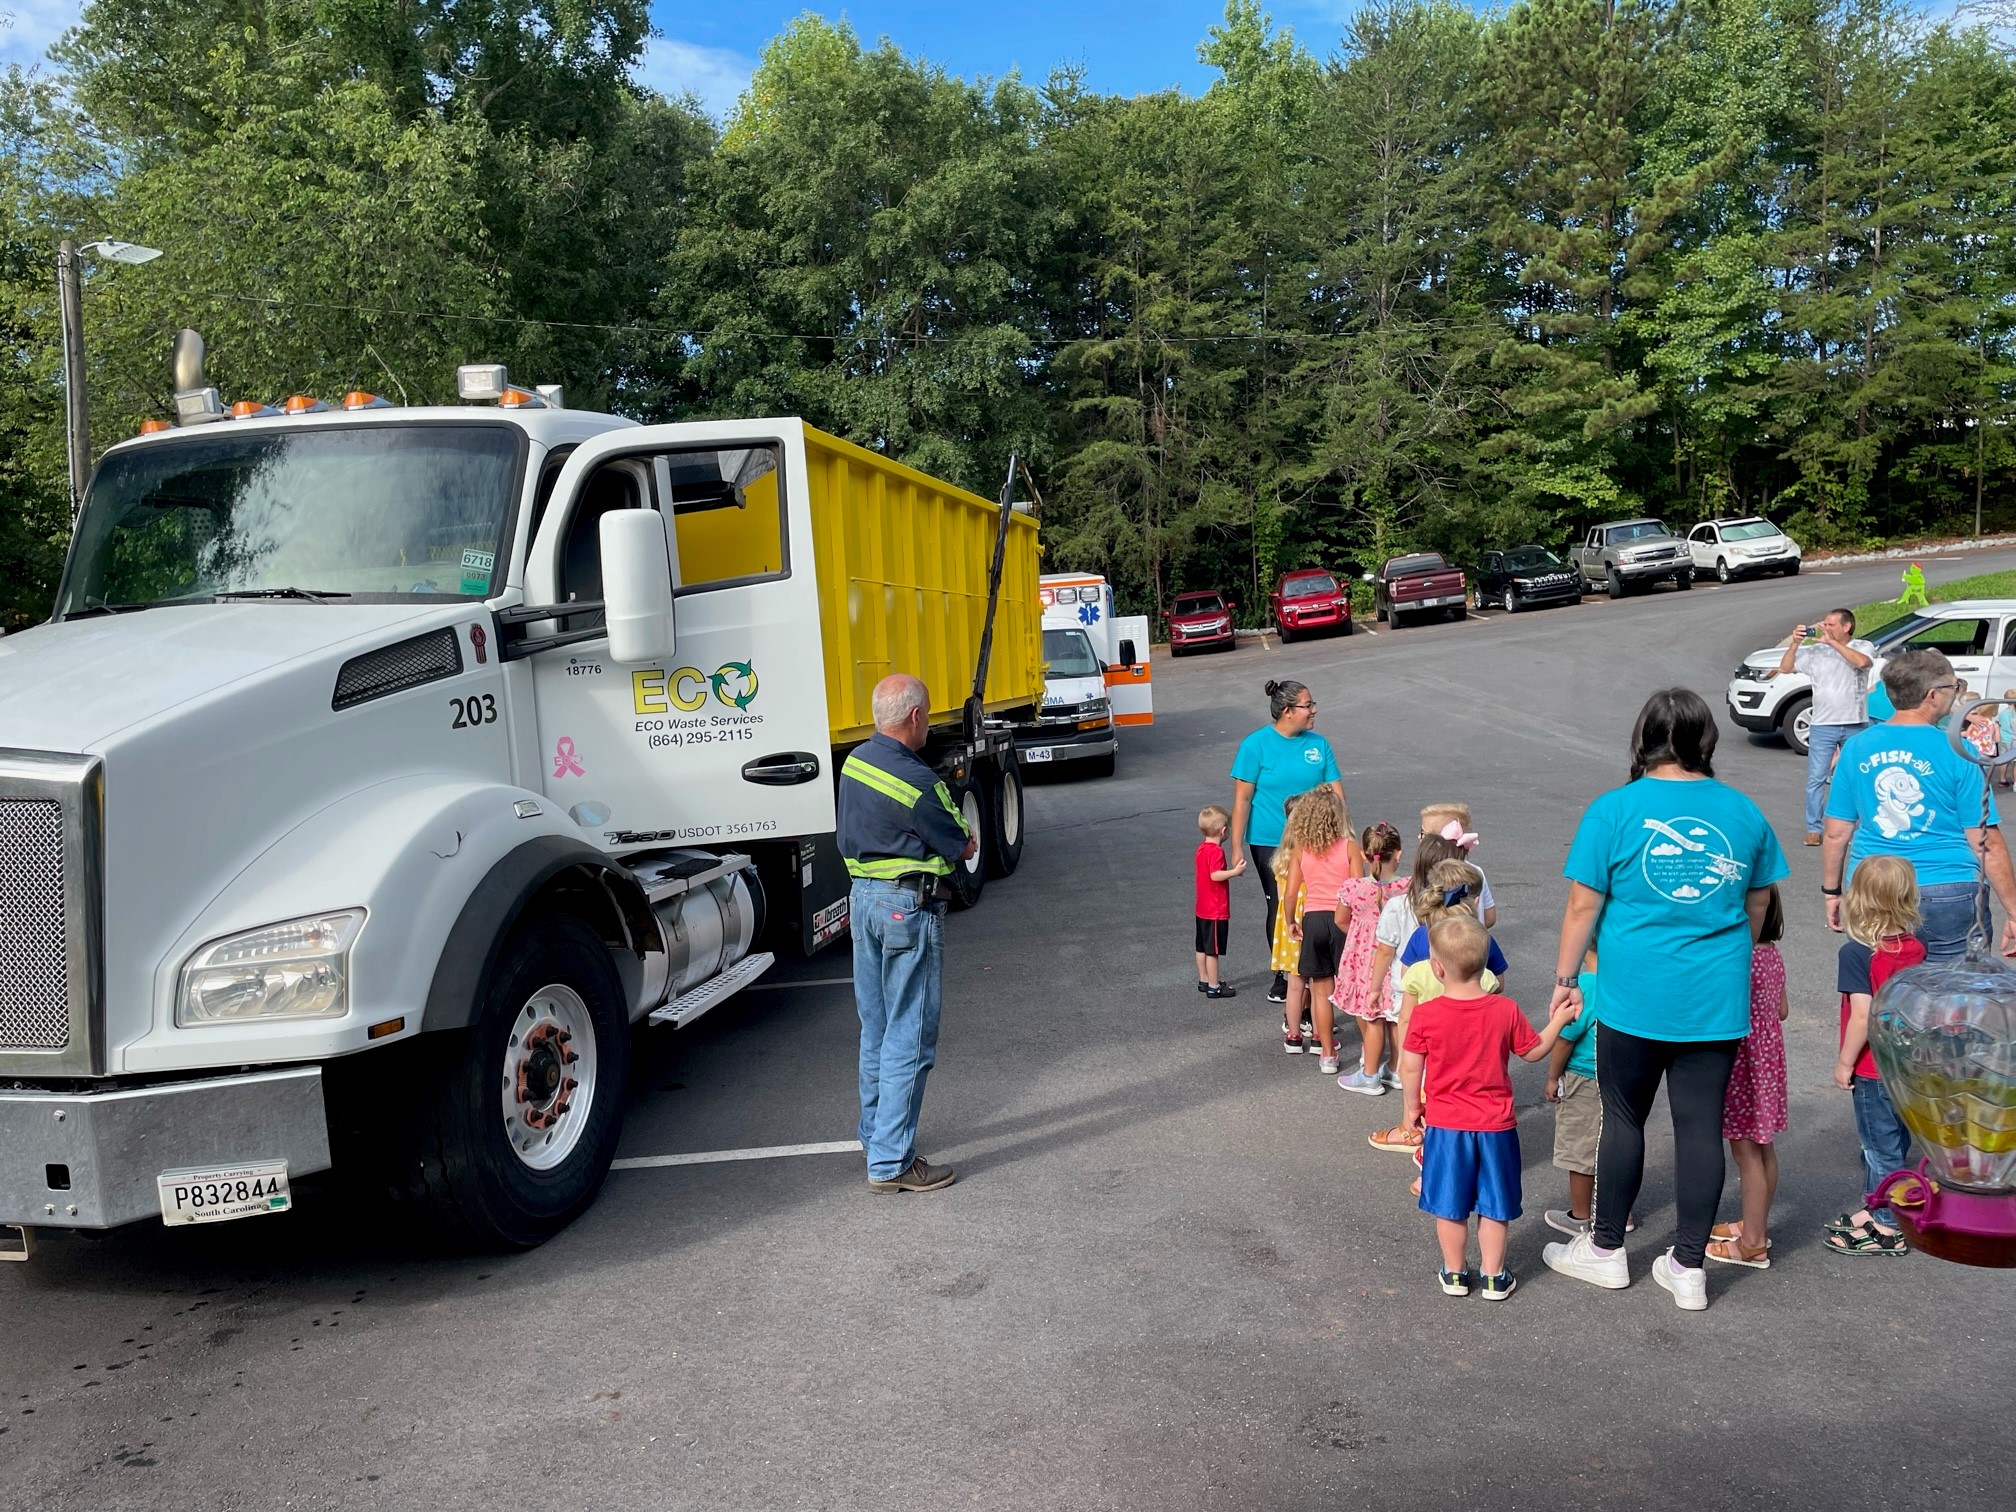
column 1753, row 1113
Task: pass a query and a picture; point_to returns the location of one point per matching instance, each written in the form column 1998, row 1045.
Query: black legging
column 1628, row 1071
column 1263, row 867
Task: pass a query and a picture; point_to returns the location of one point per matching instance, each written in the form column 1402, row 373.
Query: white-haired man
column 901, row 836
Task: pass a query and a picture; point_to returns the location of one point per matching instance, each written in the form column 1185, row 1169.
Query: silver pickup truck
column 1620, row 555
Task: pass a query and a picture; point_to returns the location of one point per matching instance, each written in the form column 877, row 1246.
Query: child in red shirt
column 1456, row 1047
column 1214, row 900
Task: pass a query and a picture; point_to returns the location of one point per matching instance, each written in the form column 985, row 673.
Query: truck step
column 673, row 873
column 711, row 993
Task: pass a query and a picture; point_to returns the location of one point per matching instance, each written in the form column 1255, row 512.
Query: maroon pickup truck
column 1417, row 586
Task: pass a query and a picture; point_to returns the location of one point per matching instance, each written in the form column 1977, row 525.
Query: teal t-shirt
column 1910, row 794
column 1280, row 766
column 1581, row 1032
column 1673, row 860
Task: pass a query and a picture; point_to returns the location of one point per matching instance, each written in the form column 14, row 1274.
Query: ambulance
column 1096, row 675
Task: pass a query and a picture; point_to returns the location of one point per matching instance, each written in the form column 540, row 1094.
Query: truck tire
column 1004, row 838
column 1101, row 766
column 969, row 878
column 1616, row 586
column 516, row 1131
column 1794, row 719
column 1684, row 579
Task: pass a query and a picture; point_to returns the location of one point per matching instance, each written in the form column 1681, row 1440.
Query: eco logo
column 735, row 684
column 685, row 689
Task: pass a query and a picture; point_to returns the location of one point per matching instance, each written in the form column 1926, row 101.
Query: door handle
column 784, row 769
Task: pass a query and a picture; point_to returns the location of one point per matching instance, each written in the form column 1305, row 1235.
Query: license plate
column 1037, row 753
column 1442, row 603
column 219, row 1194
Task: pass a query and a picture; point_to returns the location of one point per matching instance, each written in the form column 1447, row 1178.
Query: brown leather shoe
column 1812, row 839
column 921, row 1177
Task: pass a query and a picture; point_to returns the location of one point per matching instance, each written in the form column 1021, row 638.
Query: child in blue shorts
column 1457, row 1048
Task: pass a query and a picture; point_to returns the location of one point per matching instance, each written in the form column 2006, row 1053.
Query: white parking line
column 715, row 1157
column 845, row 981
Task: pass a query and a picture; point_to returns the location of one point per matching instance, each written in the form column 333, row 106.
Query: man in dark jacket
column 901, row 837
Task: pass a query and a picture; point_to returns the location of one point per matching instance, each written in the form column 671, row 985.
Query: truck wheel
column 1459, row 612
column 970, row 876
column 1004, row 837
column 1794, row 722
column 1616, row 584
column 1684, row 579
column 517, row 1131
column 1101, row 766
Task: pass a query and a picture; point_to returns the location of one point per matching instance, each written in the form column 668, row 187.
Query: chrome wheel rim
column 969, row 810
column 1011, row 809
column 549, row 1076
column 1802, row 726
column 1509, row 605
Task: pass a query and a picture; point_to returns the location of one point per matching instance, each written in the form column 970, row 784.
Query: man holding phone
column 1839, row 666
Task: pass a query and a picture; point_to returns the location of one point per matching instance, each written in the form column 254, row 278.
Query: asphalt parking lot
column 1172, row 1274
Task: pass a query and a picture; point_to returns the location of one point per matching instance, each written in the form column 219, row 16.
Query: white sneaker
column 1689, row 1285
column 1328, row 1065
column 1578, row 1258
column 1390, row 1079
column 1355, row 1080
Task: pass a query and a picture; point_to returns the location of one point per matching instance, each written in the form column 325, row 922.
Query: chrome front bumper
column 89, row 1160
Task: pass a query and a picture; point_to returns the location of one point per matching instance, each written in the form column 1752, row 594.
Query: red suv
column 1197, row 620
column 1310, row 599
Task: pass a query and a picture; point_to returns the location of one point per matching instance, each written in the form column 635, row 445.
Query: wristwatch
column 1567, row 981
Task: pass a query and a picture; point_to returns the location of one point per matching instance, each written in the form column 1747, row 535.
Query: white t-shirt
column 1839, row 690
column 1485, row 902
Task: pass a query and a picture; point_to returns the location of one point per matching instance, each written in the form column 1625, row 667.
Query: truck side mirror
column 636, row 586
column 1126, row 653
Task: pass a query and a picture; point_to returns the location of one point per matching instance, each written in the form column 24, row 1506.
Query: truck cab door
column 726, row 740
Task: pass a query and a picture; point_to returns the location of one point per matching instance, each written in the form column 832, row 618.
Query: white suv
column 1977, row 635
column 1736, row 548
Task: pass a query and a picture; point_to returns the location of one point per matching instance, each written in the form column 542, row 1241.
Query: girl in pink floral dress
column 1358, row 903
column 1753, row 1114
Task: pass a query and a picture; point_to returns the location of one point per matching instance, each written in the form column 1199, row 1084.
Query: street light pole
column 76, row 407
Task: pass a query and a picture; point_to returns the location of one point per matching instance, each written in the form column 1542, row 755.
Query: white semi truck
column 381, row 768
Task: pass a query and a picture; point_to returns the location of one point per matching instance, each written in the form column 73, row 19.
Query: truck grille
column 34, row 929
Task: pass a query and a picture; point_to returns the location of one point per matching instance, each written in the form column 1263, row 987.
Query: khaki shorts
column 1578, row 1118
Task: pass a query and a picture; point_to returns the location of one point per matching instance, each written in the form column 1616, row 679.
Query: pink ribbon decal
column 564, row 762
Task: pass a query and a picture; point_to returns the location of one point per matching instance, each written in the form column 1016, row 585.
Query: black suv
column 1523, row 577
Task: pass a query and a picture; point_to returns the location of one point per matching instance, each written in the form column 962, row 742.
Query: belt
column 920, row 885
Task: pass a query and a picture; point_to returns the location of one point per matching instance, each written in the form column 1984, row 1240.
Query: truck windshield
column 361, row 512
column 1640, row 531
column 1309, row 587
column 1067, row 653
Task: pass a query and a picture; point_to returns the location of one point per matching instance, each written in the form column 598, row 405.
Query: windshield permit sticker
column 476, row 569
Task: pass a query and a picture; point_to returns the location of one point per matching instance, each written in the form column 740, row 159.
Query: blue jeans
column 1822, row 741
column 1946, row 912
column 1886, row 1143
column 898, row 951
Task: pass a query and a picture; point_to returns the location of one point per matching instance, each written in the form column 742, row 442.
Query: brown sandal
column 1400, row 1139
column 1730, row 1233
column 1736, row 1252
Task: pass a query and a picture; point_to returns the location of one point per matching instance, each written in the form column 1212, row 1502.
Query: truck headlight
column 292, row 970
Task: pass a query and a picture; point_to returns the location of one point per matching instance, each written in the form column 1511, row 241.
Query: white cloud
column 716, row 76
column 1667, row 850
column 27, row 27
column 1686, row 891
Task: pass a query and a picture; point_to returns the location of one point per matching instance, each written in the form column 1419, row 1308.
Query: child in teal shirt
column 1578, row 1111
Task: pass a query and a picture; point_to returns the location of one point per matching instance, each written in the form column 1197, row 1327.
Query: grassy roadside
column 1872, row 617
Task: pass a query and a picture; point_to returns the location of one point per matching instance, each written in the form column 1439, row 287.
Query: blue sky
column 1124, row 48
column 710, row 49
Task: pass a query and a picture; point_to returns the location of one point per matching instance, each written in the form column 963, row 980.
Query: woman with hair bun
column 1275, row 763
column 1670, row 877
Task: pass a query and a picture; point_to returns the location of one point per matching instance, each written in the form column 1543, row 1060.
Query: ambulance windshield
column 1067, row 653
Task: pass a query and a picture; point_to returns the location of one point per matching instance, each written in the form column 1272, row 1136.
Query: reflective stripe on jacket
column 896, row 817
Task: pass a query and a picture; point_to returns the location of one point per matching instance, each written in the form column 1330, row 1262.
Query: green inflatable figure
column 1913, row 596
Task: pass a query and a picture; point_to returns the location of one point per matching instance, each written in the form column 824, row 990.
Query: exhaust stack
column 196, row 403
